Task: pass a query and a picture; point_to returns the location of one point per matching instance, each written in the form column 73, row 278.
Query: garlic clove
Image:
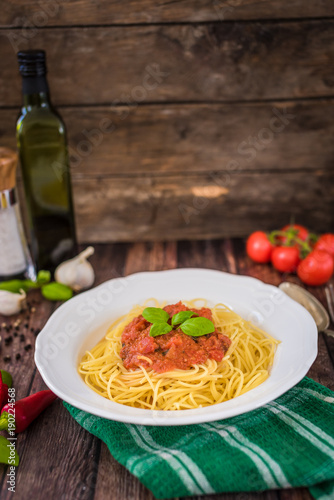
column 12, row 303
column 77, row 273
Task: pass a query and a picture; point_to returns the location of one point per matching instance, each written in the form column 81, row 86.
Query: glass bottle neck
column 35, row 91
column 39, row 100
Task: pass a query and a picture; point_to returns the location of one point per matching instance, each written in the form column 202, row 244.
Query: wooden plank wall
column 188, row 119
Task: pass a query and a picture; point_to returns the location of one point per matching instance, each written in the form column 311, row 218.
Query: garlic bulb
column 11, row 303
column 77, row 273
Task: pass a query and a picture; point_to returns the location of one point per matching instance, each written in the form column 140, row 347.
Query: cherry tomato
column 326, row 243
column 285, row 259
column 316, row 268
column 258, row 247
column 301, row 234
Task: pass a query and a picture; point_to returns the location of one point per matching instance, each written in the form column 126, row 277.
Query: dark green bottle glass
column 41, row 139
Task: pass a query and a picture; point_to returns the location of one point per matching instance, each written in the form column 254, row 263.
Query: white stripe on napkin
column 189, row 473
column 316, row 394
column 276, row 469
column 316, row 430
column 258, row 462
column 289, row 418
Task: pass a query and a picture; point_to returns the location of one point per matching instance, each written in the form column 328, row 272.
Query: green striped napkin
column 287, row 443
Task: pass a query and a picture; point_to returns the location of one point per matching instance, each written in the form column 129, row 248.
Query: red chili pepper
column 26, row 410
column 3, row 392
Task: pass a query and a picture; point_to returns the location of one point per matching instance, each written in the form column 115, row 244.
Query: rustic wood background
column 186, row 119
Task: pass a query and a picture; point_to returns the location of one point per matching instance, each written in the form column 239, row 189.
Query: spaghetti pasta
column 245, row 366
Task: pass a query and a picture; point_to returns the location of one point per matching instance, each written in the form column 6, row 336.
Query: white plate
column 81, row 322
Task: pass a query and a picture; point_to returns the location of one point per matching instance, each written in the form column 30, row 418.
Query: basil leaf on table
column 56, row 291
column 15, row 286
column 182, row 316
column 155, row 315
column 159, row 329
column 196, row 327
column 29, row 285
column 43, row 277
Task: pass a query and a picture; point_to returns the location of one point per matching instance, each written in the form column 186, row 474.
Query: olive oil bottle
column 41, row 139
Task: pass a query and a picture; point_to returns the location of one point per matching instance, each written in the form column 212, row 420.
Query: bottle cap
column 32, row 62
column 8, row 164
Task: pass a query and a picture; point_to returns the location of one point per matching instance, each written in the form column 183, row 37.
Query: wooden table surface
column 59, row 459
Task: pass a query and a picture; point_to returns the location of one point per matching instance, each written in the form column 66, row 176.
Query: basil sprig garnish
column 182, row 316
column 155, row 315
column 160, row 329
column 194, row 327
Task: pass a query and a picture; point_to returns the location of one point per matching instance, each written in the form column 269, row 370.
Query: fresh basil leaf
column 196, row 327
column 43, row 277
column 159, row 329
column 13, row 286
column 155, row 315
column 28, row 285
column 182, row 316
column 56, row 291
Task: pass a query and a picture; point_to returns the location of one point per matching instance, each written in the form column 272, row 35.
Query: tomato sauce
column 174, row 350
